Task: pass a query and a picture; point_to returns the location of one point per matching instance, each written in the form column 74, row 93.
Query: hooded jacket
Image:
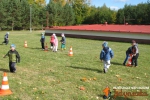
column 106, row 54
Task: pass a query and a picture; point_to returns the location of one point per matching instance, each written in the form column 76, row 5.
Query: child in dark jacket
column 42, row 40
column 135, row 53
column 128, row 52
column 6, row 39
column 106, row 55
column 63, row 42
column 14, row 57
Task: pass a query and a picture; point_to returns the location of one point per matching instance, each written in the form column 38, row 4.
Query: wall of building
column 99, row 35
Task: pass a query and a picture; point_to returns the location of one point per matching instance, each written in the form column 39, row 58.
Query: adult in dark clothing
column 135, row 52
column 42, row 40
column 14, row 57
column 6, row 39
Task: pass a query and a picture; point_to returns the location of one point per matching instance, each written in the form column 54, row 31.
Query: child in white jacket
column 55, row 47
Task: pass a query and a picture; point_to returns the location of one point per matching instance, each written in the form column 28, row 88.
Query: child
column 52, row 39
column 6, row 39
column 13, row 58
column 42, row 40
column 105, row 56
column 135, row 53
column 55, row 43
column 63, row 42
column 128, row 52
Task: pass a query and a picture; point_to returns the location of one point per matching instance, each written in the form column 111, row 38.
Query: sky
column 114, row 4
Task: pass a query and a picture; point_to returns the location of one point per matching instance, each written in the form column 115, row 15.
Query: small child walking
column 52, row 39
column 42, row 40
column 55, row 43
column 128, row 52
column 106, row 55
column 63, row 42
column 14, row 57
column 6, row 39
column 135, row 53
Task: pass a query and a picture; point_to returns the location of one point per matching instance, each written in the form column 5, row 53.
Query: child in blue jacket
column 42, row 40
column 106, row 55
column 6, row 39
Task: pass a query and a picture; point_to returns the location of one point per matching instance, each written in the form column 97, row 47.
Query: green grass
column 56, row 76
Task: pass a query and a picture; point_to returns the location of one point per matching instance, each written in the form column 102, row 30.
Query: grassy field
column 56, row 76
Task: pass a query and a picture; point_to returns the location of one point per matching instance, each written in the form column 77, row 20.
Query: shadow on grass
column 97, row 70
column 4, row 70
column 112, row 98
column 115, row 63
column 34, row 48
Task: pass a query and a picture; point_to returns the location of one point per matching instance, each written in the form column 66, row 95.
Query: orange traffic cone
column 70, row 51
column 46, row 48
column 5, row 87
column 25, row 44
column 129, row 61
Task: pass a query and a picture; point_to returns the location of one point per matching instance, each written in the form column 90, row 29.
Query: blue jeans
column 127, row 55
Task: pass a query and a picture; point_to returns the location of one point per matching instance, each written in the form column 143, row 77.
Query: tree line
column 23, row 14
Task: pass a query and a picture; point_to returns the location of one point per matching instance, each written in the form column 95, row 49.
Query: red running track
column 109, row 28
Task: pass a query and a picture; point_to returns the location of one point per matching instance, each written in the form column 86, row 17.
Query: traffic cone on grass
column 129, row 61
column 46, row 48
column 25, row 44
column 70, row 51
column 4, row 90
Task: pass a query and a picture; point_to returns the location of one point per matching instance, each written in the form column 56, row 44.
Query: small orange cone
column 129, row 60
column 4, row 90
column 46, row 48
column 25, row 44
column 70, row 51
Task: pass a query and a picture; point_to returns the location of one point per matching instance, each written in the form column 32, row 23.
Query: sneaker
column 105, row 70
column 124, row 64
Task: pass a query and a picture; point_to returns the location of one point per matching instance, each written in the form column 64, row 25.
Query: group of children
column 107, row 54
column 54, row 42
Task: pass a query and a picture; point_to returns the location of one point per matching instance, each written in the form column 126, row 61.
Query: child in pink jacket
column 52, row 38
column 55, row 43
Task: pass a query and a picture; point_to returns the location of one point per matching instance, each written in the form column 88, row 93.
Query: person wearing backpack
column 106, row 55
column 135, row 53
column 6, row 39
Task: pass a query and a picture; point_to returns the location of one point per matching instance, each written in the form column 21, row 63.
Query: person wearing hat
column 14, row 57
column 63, row 42
column 106, row 55
column 135, row 53
column 42, row 40
column 6, row 39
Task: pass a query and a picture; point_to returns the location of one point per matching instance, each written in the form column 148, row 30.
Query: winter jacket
column 135, row 49
column 63, row 40
column 6, row 37
column 56, row 41
column 42, row 40
column 129, row 51
column 106, row 54
column 13, row 56
column 52, row 40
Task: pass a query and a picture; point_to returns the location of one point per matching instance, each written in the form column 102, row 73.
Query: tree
column 68, row 15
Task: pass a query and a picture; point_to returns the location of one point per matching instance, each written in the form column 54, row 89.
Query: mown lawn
column 56, row 76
